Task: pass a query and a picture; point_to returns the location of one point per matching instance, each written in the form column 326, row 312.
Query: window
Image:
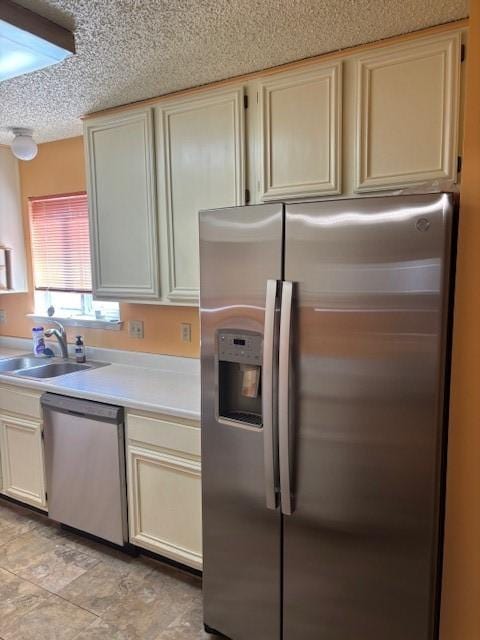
column 61, row 259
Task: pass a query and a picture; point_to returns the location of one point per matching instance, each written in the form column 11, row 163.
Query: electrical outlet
column 186, row 331
column 3, row 316
column 135, row 328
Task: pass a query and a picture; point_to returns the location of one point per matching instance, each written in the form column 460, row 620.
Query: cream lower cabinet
column 21, row 447
column 164, row 487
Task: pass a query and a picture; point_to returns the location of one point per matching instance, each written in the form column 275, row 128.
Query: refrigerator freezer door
column 369, row 342
column 240, row 250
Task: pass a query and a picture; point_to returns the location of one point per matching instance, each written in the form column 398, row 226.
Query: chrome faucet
column 61, row 336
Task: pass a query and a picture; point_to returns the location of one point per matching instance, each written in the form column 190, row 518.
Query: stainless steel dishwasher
column 85, row 466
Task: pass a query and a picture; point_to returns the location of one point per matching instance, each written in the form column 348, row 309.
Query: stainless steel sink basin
column 21, row 362
column 53, row 370
column 30, row 367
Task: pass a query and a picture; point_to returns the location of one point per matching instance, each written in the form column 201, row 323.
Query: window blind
column 60, row 243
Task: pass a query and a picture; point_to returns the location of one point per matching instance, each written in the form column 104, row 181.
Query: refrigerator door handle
column 268, row 407
column 284, row 410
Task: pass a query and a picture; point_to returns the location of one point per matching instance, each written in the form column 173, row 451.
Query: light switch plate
column 186, row 331
column 135, row 328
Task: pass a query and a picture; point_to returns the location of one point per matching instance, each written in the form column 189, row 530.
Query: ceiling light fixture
column 23, row 145
column 29, row 42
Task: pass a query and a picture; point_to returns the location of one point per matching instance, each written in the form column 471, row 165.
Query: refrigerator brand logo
column 423, row 224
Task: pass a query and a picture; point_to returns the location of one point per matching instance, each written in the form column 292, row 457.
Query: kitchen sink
column 52, row 370
column 31, row 367
column 21, row 362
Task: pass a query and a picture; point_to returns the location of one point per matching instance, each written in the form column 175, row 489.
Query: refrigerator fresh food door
column 365, row 417
column 240, row 270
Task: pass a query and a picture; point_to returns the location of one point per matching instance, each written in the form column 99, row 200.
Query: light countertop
column 163, row 388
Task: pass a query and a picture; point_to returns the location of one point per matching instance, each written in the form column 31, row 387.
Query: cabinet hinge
column 459, row 164
column 245, row 102
column 463, row 53
column 247, row 196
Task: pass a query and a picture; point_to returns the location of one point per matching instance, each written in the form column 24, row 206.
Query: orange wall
column 461, row 587
column 59, row 168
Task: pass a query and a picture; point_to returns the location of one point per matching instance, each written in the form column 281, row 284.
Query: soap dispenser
column 79, row 349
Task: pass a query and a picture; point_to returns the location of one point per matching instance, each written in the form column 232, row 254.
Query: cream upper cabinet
column 300, row 132
column 382, row 119
column 122, row 205
column 200, row 147
column 407, row 114
column 11, row 226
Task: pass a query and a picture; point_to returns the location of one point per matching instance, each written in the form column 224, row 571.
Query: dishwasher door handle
column 76, row 413
column 83, row 408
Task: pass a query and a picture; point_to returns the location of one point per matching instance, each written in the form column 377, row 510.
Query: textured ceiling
column 129, row 50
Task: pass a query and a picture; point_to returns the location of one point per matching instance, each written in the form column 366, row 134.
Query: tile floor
column 55, row 585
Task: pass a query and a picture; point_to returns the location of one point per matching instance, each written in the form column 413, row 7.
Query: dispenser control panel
column 245, row 348
column 239, row 374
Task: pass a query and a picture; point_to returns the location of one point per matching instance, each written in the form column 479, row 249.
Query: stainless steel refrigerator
column 324, row 353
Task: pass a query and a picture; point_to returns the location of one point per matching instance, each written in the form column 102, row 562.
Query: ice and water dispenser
column 239, row 377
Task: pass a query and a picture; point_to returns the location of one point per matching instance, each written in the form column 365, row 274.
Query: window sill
column 106, row 325
column 9, row 291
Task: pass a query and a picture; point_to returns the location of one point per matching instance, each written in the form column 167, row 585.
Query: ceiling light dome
column 24, row 146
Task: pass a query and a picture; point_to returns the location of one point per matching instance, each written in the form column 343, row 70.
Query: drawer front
column 20, row 401
column 164, row 434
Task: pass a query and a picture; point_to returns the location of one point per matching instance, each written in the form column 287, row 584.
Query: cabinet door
column 122, row 204
column 407, row 114
column 11, row 225
column 21, row 451
column 300, row 133
column 165, row 504
column 201, row 166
